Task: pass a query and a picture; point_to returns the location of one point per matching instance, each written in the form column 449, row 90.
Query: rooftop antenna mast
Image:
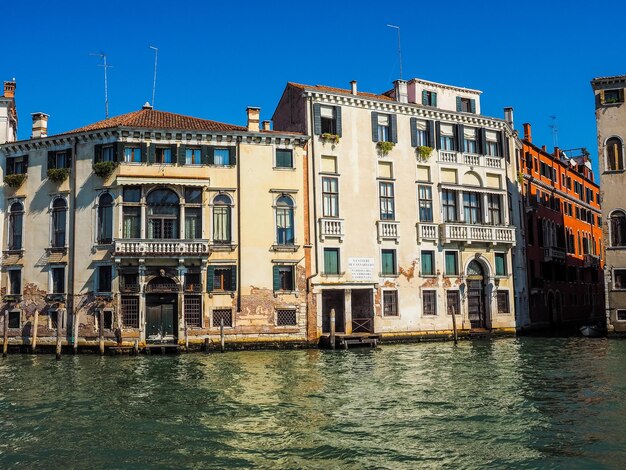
column 104, row 64
column 399, row 46
column 156, row 55
column 555, row 131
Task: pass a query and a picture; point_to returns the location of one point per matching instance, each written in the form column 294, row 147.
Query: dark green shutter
column 68, row 158
column 459, row 138
column 210, row 154
column 503, row 144
column 232, row 155
column 52, row 161
column 210, row 278
column 414, row 132
column 482, row 141
column 181, row 155
column 424, row 97
column 233, row 278
column 374, row 126
column 451, row 263
column 26, row 165
column 204, row 154
column 437, row 134
column 144, row 152
column 97, row 153
column 338, row 119
column 119, row 151
column 173, row 150
column 430, row 131
column 152, row 153
column 393, row 128
column 317, row 119
column 459, row 104
column 276, row 277
column 473, row 106
column 433, row 99
column 10, row 166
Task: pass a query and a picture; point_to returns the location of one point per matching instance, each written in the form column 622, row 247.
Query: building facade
column 410, row 208
column 611, row 131
column 156, row 228
column 563, row 229
column 8, row 114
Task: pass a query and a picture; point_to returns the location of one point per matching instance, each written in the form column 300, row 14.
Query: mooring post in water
column 33, row 341
column 222, row 334
column 75, row 334
column 101, row 330
column 136, row 348
column 5, row 338
column 332, row 328
column 58, row 351
column 456, row 339
column 206, row 344
column 186, row 336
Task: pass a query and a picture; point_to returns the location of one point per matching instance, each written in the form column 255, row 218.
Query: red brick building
column 563, row 236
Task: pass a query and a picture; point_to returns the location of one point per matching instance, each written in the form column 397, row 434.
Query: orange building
column 563, row 236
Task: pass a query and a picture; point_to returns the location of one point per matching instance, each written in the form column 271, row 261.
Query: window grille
column 286, row 317
column 193, row 311
column 130, row 312
column 225, row 314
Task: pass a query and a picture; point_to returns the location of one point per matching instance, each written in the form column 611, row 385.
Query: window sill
column 14, row 252
column 219, row 166
column 388, row 274
column 397, row 316
column 231, row 293
column 290, row 248
column 222, row 246
column 56, row 249
column 337, row 275
column 432, row 276
column 285, row 292
column 284, row 168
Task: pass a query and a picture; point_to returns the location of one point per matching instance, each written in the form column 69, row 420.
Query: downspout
column 238, row 225
column 72, row 245
column 313, row 180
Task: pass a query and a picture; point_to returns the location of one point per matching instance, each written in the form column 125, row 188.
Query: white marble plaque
column 361, row 269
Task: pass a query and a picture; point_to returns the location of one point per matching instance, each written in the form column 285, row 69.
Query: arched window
column 222, row 219
column 59, row 217
column 618, row 228
column 284, row 221
column 474, row 269
column 105, row 219
column 16, row 219
column 163, row 214
column 614, row 155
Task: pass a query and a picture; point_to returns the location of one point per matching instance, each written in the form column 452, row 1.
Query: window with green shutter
column 284, row 158
column 331, row 260
column 388, row 258
column 500, row 264
column 283, row 277
column 428, row 263
column 452, row 265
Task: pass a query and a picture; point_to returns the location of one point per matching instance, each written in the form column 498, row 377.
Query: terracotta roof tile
column 341, row 91
column 152, row 119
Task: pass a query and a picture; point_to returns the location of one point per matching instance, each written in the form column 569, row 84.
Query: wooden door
column 475, row 303
column 153, row 322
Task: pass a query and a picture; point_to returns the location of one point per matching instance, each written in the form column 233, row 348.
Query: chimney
column 508, row 116
column 527, row 133
column 9, row 89
column 400, row 89
column 40, row 125
column 557, row 153
column 543, row 147
column 146, row 105
column 253, row 118
column 267, row 126
column 353, row 87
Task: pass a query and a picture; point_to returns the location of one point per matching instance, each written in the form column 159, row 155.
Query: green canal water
column 525, row 402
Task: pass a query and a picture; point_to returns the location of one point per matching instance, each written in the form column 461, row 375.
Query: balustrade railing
column 427, row 231
column 388, row 230
column 331, row 227
column 137, row 247
column 477, row 233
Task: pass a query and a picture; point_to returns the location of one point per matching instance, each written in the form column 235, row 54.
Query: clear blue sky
column 215, row 59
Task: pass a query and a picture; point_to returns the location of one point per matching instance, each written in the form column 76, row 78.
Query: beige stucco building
column 156, row 228
column 611, row 128
column 410, row 208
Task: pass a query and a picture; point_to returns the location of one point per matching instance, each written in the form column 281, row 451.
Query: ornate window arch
column 16, row 225
column 59, row 223
column 105, row 219
column 614, row 154
column 617, row 228
column 222, row 219
column 285, row 233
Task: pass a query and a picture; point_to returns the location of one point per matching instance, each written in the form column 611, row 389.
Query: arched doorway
column 161, row 311
column 476, row 305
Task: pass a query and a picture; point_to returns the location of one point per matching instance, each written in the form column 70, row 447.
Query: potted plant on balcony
column 384, row 147
column 14, row 181
column 104, row 169
column 58, row 175
column 424, row 152
column 328, row 137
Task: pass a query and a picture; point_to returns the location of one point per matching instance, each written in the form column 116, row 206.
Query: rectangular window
column 383, row 128
column 192, row 282
column 15, row 281
column 130, row 311
column 286, row 317
column 328, row 120
column 15, row 319
column 194, row 156
column 284, row 158
column 388, row 262
column 429, row 98
column 193, row 223
column 132, row 194
column 193, row 310
column 330, row 197
column 503, row 301
column 132, row 154
column 284, row 278
column 494, row 203
column 223, row 279
column 163, row 155
column 491, row 149
column 221, row 156
column 453, row 302
column 58, row 280
column 501, row 264
column 446, row 139
column 331, row 260
column 390, row 303
column 387, row 202
column 222, row 316
column 108, row 153
column 421, row 133
column 472, row 208
column 193, row 195
column 452, row 263
column 621, row 315
column 131, row 222
column 429, row 300
column 612, row 96
column 469, row 140
column 428, row 263
column 619, row 278
column 105, row 276
column 17, row 165
column 448, row 202
column 425, row 203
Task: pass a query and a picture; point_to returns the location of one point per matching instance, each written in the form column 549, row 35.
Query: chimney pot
column 508, row 116
column 9, row 89
column 40, row 125
column 254, row 115
column 267, row 125
column 147, row 105
column 528, row 133
column 401, row 91
column 353, row 87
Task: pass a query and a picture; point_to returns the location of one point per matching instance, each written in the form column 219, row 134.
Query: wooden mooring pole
column 101, row 331
column 33, row 341
column 5, row 338
column 75, row 334
column 332, row 328
column 222, row 334
column 456, row 339
column 136, row 348
column 58, row 349
column 186, row 336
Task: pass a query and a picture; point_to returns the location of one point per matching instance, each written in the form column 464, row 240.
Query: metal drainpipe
column 238, row 225
column 71, row 261
column 313, row 180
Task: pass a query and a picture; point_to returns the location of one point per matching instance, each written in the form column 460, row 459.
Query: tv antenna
column 156, row 55
column 555, row 131
column 104, row 64
column 399, row 46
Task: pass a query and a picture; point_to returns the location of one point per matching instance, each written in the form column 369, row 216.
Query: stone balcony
column 470, row 159
column 388, row 230
column 146, row 247
column 552, row 253
column 493, row 234
column 427, row 232
column 331, row 227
